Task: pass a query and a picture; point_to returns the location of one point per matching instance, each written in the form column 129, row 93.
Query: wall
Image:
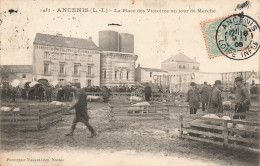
column 69, row 56
column 116, row 61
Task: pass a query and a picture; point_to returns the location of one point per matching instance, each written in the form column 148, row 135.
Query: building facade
column 63, row 58
column 19, row 72
column 143, row 75
column 181, row 71
column 180, row 64
column 117, row 58
column 117, row 68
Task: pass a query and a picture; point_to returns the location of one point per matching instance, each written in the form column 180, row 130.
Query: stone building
column 64, row 58
column 151, row 75
column 180, row 64
column 19, row 72
column 117, row 58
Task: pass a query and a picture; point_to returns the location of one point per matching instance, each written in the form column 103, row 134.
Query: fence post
column 39, row 121
column 225, row 132
column 180, row 126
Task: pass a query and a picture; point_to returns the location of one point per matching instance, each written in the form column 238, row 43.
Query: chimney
column 90, row 38
column 58, row 34
column 138, row 65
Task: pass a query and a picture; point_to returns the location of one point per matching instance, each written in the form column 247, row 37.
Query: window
column 61, row 80
column 105, row 74
column 193, row 67
column 180, row 67
column 46, row 54
column 24, row 76
column 46, row 68
column 151, row 74
column 76, row 69
column 183, row 66
column 115, row 75
column 89, row 69
column 127, row 75
column 89, row 82
column 62, row 68
column 121, row 75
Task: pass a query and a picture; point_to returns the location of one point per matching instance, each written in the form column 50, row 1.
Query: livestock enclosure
column 30, row 118
column 128, row 110
column 236, row 133
column 155, row 96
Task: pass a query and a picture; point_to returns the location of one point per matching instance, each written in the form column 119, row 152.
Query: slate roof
column 19, row 68
column 153, row 69
column 61, row 41
column 180, row 58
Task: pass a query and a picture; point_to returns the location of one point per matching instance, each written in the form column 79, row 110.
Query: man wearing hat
column 242, row 99
column 204, row 92
column 215, row 99
column 193, row 98
column 147, row 92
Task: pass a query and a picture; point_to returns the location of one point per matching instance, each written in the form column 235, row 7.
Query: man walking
column 215, row 99
column 242, row 100
column 81, row 113
column 204, row 96
column 193, row 98
column 147, row 92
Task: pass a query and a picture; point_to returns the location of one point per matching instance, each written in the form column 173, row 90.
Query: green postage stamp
column 235, row 36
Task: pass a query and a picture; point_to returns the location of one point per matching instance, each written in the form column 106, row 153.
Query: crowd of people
column 211, row 99
column 46, row 92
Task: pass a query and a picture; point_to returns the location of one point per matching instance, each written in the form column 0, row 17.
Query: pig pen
column 222, row 129
column 30, row 117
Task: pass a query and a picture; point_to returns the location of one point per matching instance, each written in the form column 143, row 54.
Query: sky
column 157, row 36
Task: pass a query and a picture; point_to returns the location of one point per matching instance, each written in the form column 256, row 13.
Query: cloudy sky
column 158, row 36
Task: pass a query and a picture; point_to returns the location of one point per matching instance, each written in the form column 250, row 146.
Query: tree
column 5, row 72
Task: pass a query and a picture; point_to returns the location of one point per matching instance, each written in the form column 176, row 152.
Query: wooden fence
column 232, row 133
column 126, row 110
column 30, row 118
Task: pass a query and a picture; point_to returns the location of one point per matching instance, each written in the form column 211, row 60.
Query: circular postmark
column 237, row 37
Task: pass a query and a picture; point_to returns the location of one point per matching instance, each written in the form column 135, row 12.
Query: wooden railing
column 222, row 132
column 127, row 110
column 30, row 118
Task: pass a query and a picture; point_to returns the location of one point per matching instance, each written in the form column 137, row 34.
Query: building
column 19, row 72
column 143, row 75
column 181, row 71
column 180, row 64
column 64, row 58
column 117, row 58
column 253, row 77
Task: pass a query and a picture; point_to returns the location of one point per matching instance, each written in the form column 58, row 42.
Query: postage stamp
column 236, row 37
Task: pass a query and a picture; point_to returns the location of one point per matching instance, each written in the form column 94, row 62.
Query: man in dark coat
column 204, row 96
column 41, row 93
column 215, row 99
column 193, row 98
column 242, row 100
column 48, row 93
column 81, row 113
column 105, row 94
column 13, row 94
column 147, row 92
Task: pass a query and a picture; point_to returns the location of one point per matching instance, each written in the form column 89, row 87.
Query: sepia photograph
column 129, row 83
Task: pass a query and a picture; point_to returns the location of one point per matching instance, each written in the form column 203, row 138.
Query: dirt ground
column 139, row 135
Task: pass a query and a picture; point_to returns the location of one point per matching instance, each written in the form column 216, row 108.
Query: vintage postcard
column 129, row 82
